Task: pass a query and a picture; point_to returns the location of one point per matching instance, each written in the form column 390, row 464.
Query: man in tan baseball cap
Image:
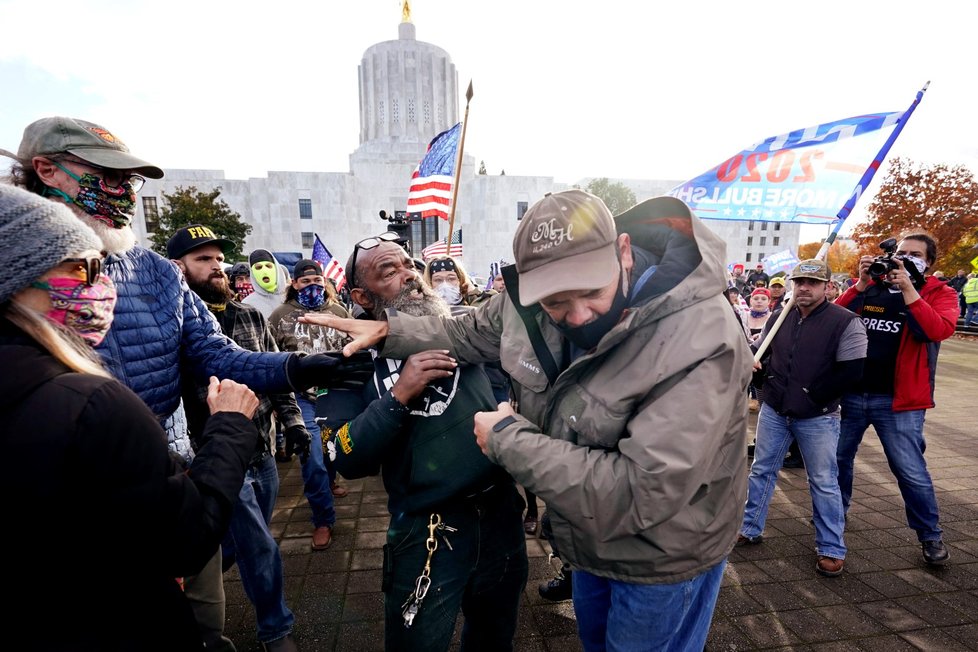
column 630, row 371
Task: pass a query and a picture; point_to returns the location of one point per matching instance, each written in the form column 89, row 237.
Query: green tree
column 616, row 196
column 185, row 206
column 939, row 199
column 482, row 167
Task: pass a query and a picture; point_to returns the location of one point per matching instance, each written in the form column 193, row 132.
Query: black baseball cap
column 306, row 267
column 195, row 235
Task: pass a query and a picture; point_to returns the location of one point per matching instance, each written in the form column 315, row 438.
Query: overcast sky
column 617, row 88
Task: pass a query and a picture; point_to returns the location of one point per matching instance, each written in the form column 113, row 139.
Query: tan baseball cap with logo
column 86, row 140
column 565, row 241
column 812, row 268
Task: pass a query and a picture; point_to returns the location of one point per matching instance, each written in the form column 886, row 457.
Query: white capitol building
column 408, row 94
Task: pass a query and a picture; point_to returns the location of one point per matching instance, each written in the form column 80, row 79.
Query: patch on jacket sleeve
column 343, row 436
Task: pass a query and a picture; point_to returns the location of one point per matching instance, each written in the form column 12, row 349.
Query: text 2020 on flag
column 806, row 175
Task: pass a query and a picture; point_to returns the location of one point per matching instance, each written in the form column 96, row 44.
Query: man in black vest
column 813, row 358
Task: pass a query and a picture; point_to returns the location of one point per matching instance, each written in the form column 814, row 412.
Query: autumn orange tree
column 842, row 256
column 939, row 199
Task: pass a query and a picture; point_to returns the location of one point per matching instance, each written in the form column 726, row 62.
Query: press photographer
column 907, row 315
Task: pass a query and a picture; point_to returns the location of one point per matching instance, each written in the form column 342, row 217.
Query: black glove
column 305, row 371
column 297, row 440
column 351, row 373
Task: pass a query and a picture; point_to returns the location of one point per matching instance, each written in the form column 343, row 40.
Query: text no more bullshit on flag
column 430, row 194
column 806, row 175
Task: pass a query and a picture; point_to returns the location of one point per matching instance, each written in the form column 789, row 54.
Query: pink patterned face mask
column 85, row 309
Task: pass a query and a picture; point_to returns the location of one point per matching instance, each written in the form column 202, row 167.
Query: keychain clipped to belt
column 413, row 603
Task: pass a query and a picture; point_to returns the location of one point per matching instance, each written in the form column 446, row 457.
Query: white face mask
column 449, row 293
column 919, row 263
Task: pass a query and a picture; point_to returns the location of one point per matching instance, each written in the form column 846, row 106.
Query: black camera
column 883, row 265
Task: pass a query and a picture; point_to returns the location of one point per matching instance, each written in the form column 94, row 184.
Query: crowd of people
column 163, row 390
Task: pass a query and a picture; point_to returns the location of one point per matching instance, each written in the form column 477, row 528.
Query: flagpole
column 844, row 212
column 458, row 167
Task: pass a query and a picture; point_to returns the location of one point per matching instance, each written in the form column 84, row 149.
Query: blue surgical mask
column 311, row 296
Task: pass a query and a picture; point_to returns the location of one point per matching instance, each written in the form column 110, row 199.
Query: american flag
column 331, row 267
column 431, row 183
column 441, row 249
column 494, row 272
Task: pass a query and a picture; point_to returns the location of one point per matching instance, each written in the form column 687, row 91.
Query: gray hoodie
column 264, row 300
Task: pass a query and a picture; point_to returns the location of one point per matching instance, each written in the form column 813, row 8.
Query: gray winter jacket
column 639, row 448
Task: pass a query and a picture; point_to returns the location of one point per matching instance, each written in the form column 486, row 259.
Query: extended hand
column 419, row 370
column 365, row 333
column 229, row 396
column 484, row 421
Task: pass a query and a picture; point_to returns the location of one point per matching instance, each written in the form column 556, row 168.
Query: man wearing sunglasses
column 629, row 371
column 158, row 321
column 444, row 495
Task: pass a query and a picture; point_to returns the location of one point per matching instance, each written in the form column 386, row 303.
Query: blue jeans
column 621, row 616
column 970, row 313
column 483, row 574
column 902, row 436
column 315, row 472
column 818, row 440
column 256, row 552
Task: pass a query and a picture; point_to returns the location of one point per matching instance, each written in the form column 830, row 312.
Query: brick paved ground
column 771, row 597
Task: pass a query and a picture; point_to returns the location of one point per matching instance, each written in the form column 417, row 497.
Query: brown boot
column 322, row 537
column 338, row 491
column 829, row 566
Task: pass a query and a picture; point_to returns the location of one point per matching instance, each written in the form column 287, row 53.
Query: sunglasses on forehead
column 93, row 267
column 368, row 243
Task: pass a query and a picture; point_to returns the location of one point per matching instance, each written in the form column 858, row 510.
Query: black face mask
column 588, row 335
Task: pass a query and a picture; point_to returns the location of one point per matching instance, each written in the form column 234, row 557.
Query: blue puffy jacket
column 159, row 324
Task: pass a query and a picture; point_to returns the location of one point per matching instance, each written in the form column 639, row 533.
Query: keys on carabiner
column 409, row 613
column 443, row 528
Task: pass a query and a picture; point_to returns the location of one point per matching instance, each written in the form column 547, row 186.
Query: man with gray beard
column 455, row 538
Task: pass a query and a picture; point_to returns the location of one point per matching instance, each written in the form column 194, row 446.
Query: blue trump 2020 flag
column 807, row 175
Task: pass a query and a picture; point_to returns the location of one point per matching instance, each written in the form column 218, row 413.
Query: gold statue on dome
column 406, row 12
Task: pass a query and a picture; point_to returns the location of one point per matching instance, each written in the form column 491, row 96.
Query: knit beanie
column 35, row 235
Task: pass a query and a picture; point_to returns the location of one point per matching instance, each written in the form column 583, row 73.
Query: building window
column 748, row 258
column 521, row 207
column 760, row 257
column 305, row 209
column 777, row 226
column 763, row 241
column 750, row 240
column 763, row 226
column 430, row 232
column 776, row 240
column 751, row 227
column 151, row 213
column 307, row 240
